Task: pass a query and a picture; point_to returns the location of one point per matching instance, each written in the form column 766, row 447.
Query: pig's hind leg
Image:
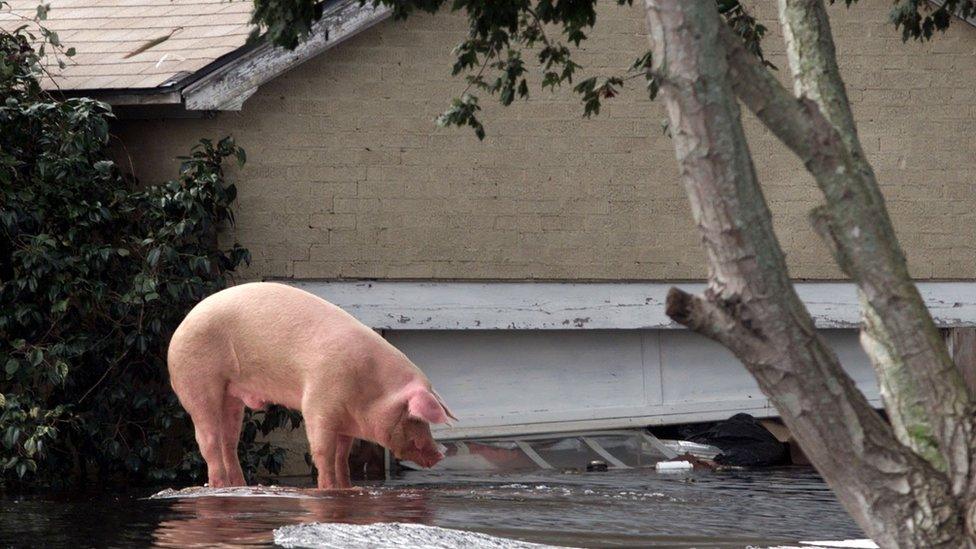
column 230, row 434
column 207, row 429
column 205, row 404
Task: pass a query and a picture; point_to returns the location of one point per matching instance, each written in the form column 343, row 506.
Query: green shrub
column 95, row 274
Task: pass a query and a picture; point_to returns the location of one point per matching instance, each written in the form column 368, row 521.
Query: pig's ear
column 424, row 405
column 443, row 405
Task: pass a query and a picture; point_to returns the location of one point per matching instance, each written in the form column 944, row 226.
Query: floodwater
column 623, row 508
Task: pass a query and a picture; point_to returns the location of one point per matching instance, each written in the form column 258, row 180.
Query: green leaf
column 12, row 366
column 11, row 436
column 104, row 167
column 30, row 446
column 61, row 368
column 153, row 257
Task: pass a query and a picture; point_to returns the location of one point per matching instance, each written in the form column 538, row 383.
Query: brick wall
column 348, row 176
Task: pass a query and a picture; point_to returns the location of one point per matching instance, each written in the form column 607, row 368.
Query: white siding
column 517, row 382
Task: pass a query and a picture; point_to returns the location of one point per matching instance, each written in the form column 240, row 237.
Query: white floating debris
column 843, row 544
column 702, row 451
column 673, row 465
column 390, row 535
column 257, row 491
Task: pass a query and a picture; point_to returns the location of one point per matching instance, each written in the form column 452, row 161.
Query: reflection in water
column 629, row 508
column 208, row 521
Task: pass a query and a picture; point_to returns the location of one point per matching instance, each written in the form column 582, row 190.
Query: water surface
column 624, row 508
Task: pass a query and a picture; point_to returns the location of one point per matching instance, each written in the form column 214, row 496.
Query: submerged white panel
column 696, row 369
column 502, row 383
column 545, row 374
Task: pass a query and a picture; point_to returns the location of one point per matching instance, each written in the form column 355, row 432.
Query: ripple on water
column 636, row 507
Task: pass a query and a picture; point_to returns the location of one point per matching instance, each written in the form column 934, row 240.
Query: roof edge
column 970, row 20
column 124, row 97
column 228, row 81
column 228, row 86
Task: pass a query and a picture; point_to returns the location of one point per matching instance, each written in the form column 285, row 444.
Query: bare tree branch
column 710, row 316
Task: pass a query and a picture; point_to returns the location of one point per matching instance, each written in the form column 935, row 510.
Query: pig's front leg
column 342, row 462
column 323, row 443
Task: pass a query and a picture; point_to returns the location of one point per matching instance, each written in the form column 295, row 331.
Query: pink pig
column 263, row 343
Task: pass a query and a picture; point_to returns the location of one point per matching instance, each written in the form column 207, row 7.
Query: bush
column 95, row 274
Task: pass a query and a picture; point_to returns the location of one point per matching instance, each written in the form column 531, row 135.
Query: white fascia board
column 402, row 305
column 229, row 86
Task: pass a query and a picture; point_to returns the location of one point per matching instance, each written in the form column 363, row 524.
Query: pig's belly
column 257, row 396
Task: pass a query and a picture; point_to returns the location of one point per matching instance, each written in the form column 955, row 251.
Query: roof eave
column 228, row 86
column 226, row 83
column 132, row 96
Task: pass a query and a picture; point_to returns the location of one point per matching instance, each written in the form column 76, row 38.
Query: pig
column 261, row 343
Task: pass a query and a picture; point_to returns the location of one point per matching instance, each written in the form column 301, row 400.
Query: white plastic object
column 673, row 465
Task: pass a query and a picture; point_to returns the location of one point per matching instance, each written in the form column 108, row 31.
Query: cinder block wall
column 348, row 176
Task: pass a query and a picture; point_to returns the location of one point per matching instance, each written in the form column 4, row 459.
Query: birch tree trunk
column 900, row 498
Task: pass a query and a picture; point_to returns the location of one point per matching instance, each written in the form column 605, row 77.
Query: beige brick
column 348, row 176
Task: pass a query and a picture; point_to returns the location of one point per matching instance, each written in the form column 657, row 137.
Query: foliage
column 919, row 19
column 499, row 33
column 286, row 22
column 95, row 274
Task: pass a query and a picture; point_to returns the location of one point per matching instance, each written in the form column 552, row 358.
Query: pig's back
column 266, row 334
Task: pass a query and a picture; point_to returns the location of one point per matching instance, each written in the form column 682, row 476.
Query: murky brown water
column 626, row 508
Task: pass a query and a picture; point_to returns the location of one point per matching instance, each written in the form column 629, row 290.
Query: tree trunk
column 751, row 307
column 800, row 125
column 924, row 394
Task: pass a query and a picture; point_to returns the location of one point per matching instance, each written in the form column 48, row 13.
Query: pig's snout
column 429, row 456
column 430, row 459
column 433, row 460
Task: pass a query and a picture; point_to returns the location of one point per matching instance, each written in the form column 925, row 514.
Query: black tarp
column 743, row 441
